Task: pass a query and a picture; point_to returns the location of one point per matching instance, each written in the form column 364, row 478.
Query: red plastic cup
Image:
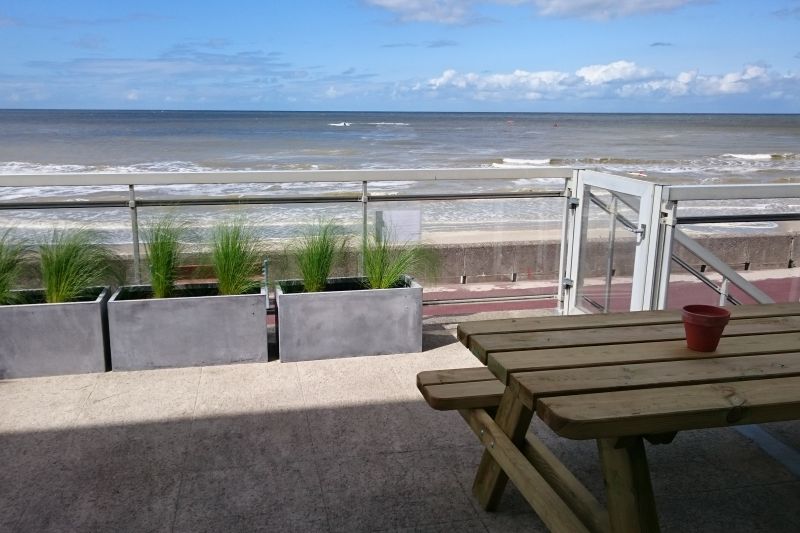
column 704, row 325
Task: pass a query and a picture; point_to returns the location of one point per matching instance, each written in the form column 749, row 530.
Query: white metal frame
column 644, row 269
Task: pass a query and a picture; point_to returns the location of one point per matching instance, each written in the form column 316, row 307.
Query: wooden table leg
column 490, row 481
column 631, row 505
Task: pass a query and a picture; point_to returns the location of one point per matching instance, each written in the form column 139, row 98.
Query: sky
column 403, row 55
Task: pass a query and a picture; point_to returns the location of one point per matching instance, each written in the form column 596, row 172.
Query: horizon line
column 395, row 112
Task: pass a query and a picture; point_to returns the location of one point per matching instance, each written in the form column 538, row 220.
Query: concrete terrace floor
column 346, row 445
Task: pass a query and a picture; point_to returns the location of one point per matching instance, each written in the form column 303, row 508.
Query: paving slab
column 277, row 497
column 348, row 381
column 36, row 404
column 126, row 500
column 248, row 388
column 260, row 438
column 141, row 396
column 391, row 491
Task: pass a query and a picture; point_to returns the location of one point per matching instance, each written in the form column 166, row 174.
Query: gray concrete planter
column 193, row 328
column 346, row 321
column 41, row 339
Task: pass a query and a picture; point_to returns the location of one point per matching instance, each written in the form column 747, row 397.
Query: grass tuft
column 72, row 262
column 316, row 254
column 163, row 245
column 12, row 253
column 235, row 257
column 385, row 262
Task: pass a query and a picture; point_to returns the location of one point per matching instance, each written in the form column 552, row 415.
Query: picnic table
column 619, row 378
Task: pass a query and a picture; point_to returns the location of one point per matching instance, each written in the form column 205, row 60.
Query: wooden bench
column 460, row 388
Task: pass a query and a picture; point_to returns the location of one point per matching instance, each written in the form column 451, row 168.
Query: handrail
column 720, row 266
column 279, row 176
column 362, row 176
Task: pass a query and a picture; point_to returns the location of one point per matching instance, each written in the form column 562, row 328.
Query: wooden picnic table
column 619, row 378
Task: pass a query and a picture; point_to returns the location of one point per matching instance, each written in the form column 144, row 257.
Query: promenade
column 341, row 445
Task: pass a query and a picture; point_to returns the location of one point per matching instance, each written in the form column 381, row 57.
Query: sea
column 669, row 148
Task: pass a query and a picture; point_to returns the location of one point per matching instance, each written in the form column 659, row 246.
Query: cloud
column 104, row 21
column 788, row 12
column 607, row 9
column 515, row 85
column 619, row 79
column 441, row 11
column 89, row 42
column 442, row 43
column 463, row 11
column 661, row 43
column 398, row 45
column 618, row 70
column 7, row 22
column 797, row 55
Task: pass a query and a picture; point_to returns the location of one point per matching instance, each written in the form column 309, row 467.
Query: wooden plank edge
column 774, row 366
column 453, row 375
column 550, row 507
column 742, row 408
column 646, row 318
column 479, row 395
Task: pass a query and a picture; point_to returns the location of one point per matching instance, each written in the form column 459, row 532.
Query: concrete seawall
column 538, row 260
column 534, row 260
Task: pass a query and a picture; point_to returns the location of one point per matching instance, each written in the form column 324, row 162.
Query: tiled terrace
column 345, row 445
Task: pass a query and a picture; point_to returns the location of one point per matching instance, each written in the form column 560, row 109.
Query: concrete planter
column 41, row 339
column 346, row 321
column 193, row 328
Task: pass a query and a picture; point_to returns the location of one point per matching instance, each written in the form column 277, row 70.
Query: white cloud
column 618, row 70
column 517, row 84
column 605, row 9
column 614, row 80
column 734, row 82
column 132, row 95
column 442, row 11
column 461, row 11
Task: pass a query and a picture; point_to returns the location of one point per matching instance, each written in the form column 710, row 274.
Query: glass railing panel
column 33, row 227
column 502, row 251
column 608, row 251
column 765, row 261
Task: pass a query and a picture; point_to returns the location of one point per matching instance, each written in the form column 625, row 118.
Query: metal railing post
column 723, row 292
column 364, row 202
column 137, row 276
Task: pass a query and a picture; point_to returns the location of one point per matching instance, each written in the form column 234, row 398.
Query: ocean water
column 670, row 148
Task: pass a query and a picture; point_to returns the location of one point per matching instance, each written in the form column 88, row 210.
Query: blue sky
column 403, row 55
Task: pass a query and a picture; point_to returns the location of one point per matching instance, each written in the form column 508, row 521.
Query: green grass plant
column 12, row 253
column 316, row 254
column 235, row 257
column 385, row 262
column 72, row 262
column 162, row 241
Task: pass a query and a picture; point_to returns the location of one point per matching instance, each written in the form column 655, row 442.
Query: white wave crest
column 339, row 124
column 510, row 162
column 750, row 157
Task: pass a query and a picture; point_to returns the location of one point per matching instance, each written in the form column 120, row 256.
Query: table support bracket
column 547, row 503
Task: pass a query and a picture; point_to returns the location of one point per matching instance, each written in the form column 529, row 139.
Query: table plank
column 644, row 411
column 468, row 395
column 560, row 323
column 483, row 345
column 504, row 363
column 532, row 386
